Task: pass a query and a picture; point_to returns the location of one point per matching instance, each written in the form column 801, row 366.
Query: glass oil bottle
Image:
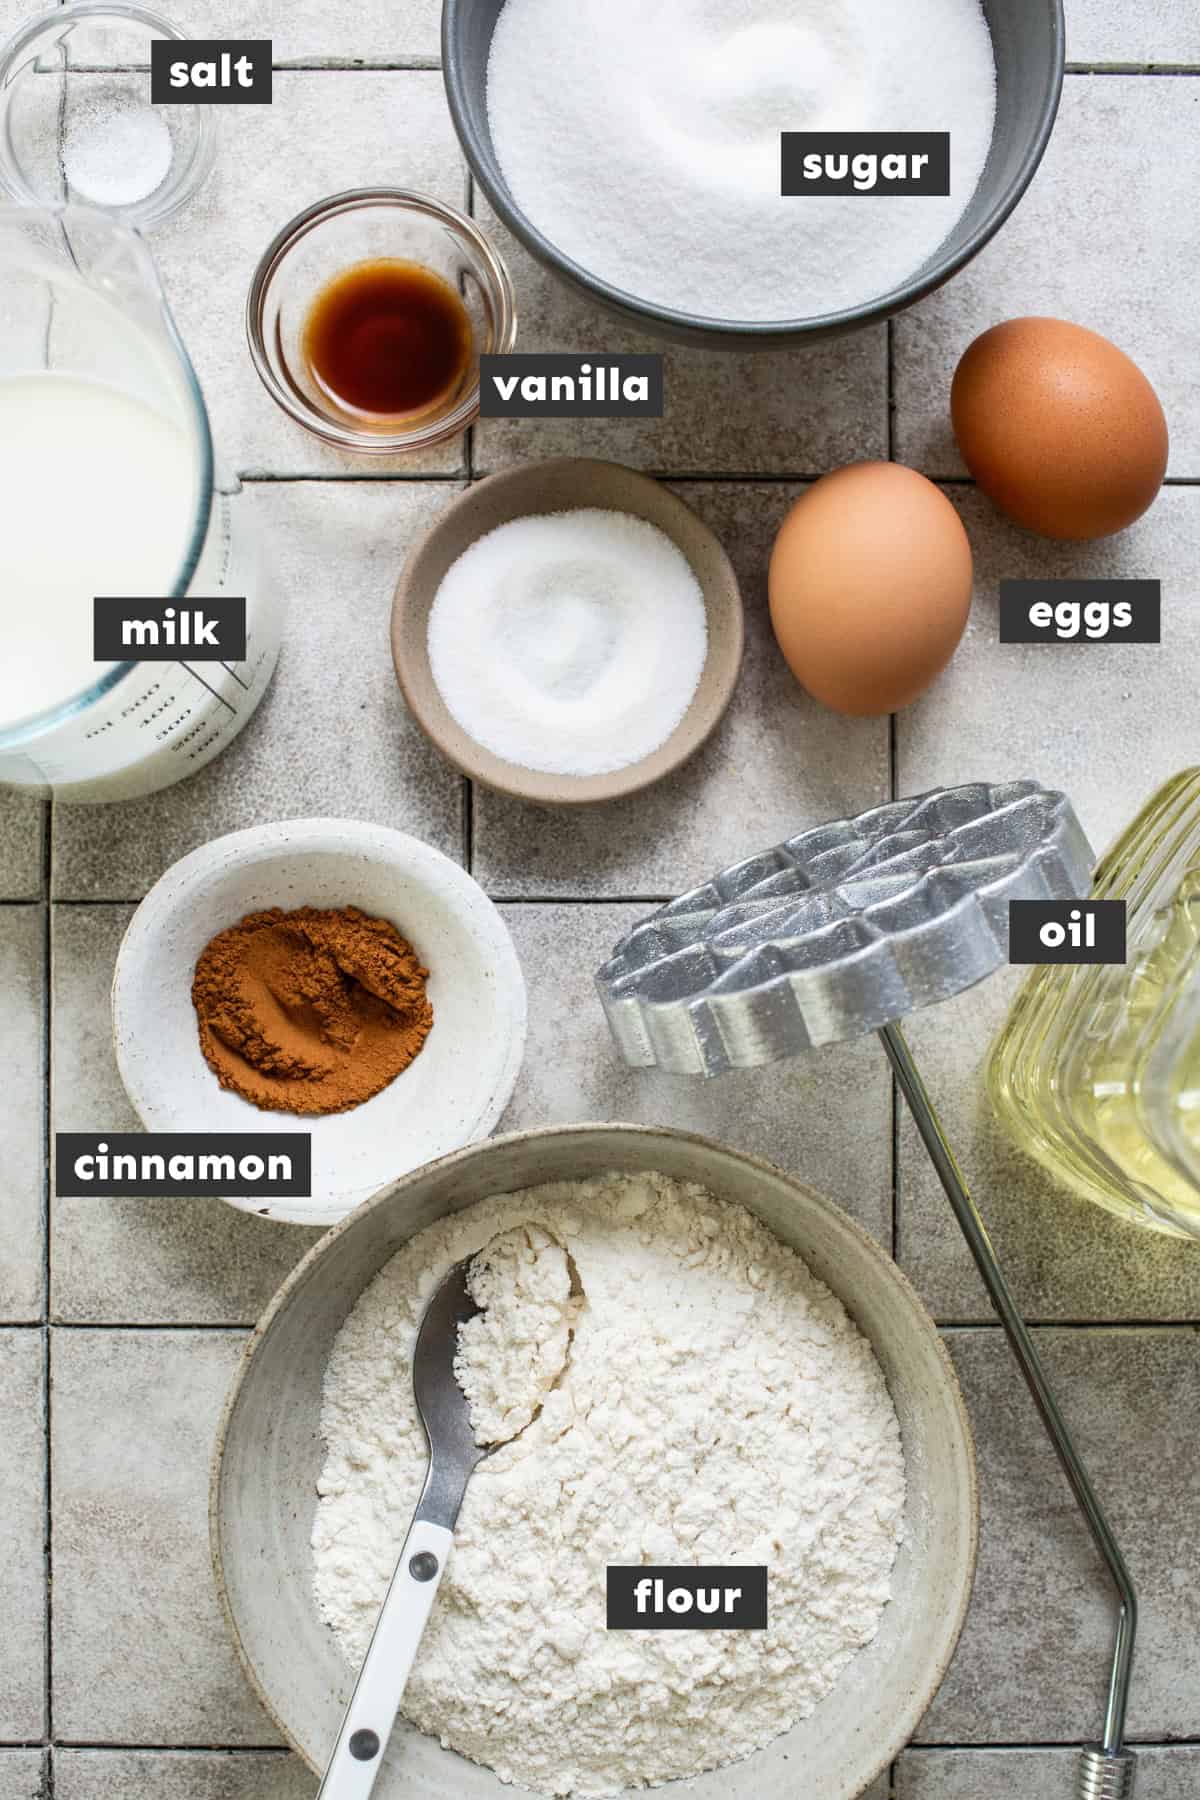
column 1097, row 1072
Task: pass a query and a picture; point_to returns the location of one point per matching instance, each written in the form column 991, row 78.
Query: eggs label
column 225, row 1165
column 725, row 1597
column 1080, row 612
column 1066, row 931
column 570, row 387
column 865, row 162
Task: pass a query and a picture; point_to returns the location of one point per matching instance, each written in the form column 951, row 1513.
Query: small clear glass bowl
column 331, row 237
column 76, row 123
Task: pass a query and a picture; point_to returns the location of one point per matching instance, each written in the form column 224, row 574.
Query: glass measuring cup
column 107, row 470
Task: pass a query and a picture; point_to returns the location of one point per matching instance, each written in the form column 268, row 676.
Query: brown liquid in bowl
column 388, row 339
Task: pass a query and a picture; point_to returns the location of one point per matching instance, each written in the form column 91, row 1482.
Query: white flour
column 718, row 1406
column 512, row 1353
column 642, row 137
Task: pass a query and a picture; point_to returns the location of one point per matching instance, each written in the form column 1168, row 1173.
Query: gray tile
column 1080, row 720
column 22, row 1126
column 1065, row 1257
column 321, row 134
column 1171, row 1774
column 139, row 1261
column 306, row 31
column 141, row 1652
column 1034, row 1656
column 332, row 736
column 22, row 833
column 826, row 1118
column 783, row 413
column 1154, row 31
column 1107, row 725
column 180, row 1775
column 22, row 1534
column 777, row 763
column 21, row 1775
column 1133, row 283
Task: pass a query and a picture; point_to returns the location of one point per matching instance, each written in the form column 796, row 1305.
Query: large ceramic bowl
column 269, row 1454
column 1028, row 41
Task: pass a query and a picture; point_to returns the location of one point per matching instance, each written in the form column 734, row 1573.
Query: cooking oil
column 1097, row 1072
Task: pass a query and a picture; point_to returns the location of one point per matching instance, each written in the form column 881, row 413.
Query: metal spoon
column 453, row 1457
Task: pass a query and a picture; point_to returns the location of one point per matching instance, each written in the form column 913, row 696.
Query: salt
column 116, row 158
column 644, row 141
column 570, row 643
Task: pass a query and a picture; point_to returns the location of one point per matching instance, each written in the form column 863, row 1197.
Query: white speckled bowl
column 269, row 1454
column 450, row 1095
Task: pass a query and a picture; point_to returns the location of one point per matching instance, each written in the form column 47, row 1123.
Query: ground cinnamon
column 310, row 1011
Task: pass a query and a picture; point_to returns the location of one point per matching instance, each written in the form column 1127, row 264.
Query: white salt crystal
column 117, row 158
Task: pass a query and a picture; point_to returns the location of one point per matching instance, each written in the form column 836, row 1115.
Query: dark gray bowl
column 1028, row 39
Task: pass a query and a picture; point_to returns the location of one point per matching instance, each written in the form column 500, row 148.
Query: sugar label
column 865, row 162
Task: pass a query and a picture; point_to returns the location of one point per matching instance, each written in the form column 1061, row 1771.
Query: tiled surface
column 776, row 763
column 22, row 1128
column 138, row 1261
column 332, row 737
column 1038, row 1635
column 22, row 834
column 1159, row 32
column 1130, row 282
column 22, row 1572
column 149, row 1301
column 140, row 1646
column 1034, row 1774
column 180, row 1775
column 21, row 1775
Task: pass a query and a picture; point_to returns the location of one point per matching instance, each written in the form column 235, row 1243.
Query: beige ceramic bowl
column 269, row 1454
column 560, row 486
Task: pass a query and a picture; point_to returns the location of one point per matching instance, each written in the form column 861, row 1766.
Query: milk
column 99, row 497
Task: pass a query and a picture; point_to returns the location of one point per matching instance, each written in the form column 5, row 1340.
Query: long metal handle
column 1107, row 1770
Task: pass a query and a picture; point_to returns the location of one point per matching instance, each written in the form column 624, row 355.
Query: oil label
column 865, row 162
column 195, row 630
column 210, row 71
column 111, row 1165
column 723, row 1597
column 570, row 387
column 1080, row 612
column 1066, row 931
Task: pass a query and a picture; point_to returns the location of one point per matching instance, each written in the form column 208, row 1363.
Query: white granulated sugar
column 569, row 642
column 642, row 138
column 511, row 1354
column 717, row 1406
column 116, row 156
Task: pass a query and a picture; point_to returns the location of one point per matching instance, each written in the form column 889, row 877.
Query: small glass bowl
column 331, row 237
column 76, row 123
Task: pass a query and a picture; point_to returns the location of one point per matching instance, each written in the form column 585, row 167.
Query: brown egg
column 870, row 586
column 1059, row 428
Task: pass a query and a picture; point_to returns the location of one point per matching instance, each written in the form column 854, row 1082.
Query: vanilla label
column 570, row 387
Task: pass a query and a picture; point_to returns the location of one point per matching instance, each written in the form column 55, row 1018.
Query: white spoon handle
column 358, row 1754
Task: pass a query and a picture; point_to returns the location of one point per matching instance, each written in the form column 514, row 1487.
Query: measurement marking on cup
column 212, row 690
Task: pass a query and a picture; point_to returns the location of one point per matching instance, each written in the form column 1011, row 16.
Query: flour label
column 719, row 1597
column 865, row 162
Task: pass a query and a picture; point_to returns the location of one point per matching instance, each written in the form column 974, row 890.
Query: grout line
column 321, row 65
column 468, row 824
column 893, row 775
column 1134, row 1743
column 154, row 1325
column 1144, row 68
column 264, row 476
column 46, row 1332
column 280, row 1750
column 948, row 1326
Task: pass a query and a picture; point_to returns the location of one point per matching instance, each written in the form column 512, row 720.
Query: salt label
column 210, row 71
column 570, row 387
column 865, row 162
